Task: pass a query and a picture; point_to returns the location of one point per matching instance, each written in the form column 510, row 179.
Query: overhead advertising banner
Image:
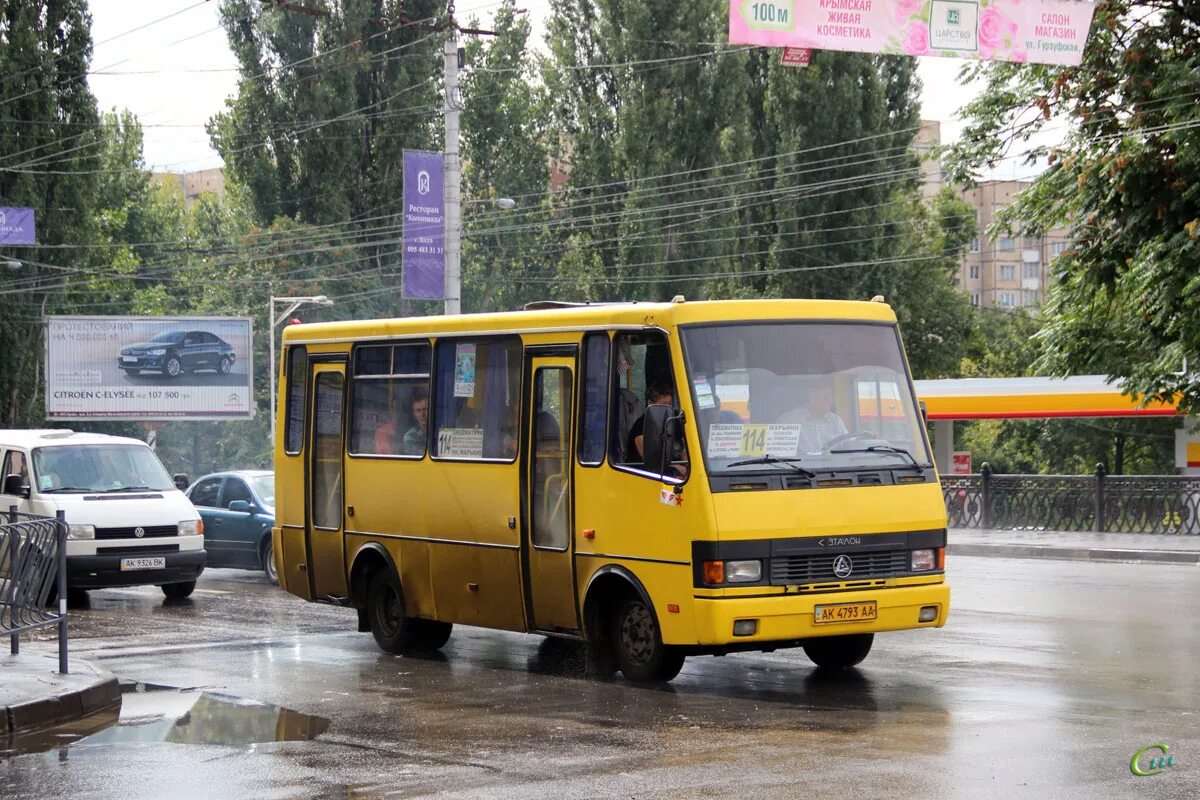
column 16, row 226
column 1037, row 31
column 148, row 368
column 424, row 259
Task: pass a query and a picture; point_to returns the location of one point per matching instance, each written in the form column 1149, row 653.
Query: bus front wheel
column 839, row 652
column 637, row 644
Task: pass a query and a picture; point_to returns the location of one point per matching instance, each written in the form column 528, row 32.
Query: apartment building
column 194, row 184
column 1008, row 271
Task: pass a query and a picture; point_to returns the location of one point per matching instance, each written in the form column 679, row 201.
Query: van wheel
column 178, row 591
column 268, row 562
column 637, row 644
column 394, row 632
column 839, row 652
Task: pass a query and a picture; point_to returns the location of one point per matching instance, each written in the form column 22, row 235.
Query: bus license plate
column 143, row 563
column 845, row 612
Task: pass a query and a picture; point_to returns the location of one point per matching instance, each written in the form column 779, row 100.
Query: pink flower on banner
column 906, row 8
column 1019, row 56
column 916, row 40
column 993, row 28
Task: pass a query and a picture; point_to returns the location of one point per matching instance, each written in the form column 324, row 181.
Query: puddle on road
column 151, row 713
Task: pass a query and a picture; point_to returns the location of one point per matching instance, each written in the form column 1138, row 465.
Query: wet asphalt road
column 1047, row 679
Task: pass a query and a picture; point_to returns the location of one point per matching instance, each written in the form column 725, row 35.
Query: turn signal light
column 941, row 558
column 714, row 572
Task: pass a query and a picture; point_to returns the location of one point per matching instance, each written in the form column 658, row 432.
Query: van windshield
column 803, row 395
column 98, row 468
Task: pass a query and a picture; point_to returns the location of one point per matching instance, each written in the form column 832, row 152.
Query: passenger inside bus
column 416, row 436
column 819, row 423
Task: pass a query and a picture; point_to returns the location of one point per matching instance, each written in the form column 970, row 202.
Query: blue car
column 238, row 509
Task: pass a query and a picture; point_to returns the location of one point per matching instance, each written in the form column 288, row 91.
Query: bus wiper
column 884, row 448
column 770, row 459
column 126, row 489
column 66, row 489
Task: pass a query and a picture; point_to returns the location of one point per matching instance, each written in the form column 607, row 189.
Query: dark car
column 238, row 509
column 177, row 352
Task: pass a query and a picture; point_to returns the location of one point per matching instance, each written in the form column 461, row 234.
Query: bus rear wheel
column 637, row 644
column 393, row 629
column 839, row 652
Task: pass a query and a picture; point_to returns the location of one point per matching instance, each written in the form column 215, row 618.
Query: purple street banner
column 1035, row 31
column 16, row 226
column 424, row 259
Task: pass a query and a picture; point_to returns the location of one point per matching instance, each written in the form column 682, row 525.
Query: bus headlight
column 81, row 532
column 191, row 527
column 743, row 571
column 923, row 560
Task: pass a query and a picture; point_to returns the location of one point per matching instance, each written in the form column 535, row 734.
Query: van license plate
column 143, row 563
column 845, row 612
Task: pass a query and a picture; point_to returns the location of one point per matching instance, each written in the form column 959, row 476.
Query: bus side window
column 476, row 397
column 594, row 408
column 642, row 366
column 297, row 381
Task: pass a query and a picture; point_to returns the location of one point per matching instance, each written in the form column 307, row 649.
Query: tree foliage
column 1125, row 299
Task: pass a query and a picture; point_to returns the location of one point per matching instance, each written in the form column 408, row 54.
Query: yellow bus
column 656, row 480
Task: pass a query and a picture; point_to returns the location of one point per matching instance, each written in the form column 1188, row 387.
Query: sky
column 176, row 72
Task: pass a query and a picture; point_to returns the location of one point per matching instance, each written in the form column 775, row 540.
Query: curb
column 1074, row 553
column 64, row 704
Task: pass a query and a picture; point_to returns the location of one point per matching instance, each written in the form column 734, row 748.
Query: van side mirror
column 924, row 412
column 662, row 430
column 241, row 506
column 181, row 481
column 15, row 485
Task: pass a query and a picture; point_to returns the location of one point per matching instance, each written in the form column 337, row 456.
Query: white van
column 129, row 524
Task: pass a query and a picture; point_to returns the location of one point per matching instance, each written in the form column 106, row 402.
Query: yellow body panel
column 446, row 525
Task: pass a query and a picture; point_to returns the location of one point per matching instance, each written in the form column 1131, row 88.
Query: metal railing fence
column 1156, row 504
column 33, row 568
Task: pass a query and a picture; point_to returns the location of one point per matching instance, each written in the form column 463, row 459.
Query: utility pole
column 453, row 188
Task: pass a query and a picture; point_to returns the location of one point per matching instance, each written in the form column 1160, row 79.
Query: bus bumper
column 791, row 617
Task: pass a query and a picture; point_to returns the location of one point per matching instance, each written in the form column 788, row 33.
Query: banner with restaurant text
column 1036, row 31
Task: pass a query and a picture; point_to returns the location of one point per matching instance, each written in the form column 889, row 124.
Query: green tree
column 49, row 150
column 1125, row 299
column 506, row 255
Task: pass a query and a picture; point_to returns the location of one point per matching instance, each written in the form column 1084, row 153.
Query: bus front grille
column 791, row 570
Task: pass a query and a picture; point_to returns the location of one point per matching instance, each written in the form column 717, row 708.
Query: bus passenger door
column 547, row 548
column 326, row 473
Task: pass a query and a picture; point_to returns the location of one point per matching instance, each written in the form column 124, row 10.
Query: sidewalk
column 34, row 696
column 1075, row 546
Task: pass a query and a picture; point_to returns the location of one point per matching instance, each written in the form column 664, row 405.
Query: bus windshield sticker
column 704, row 394
column 782, row 440
column 460, row 442
column 725, row 441
column 464, row 370
column 737, row 441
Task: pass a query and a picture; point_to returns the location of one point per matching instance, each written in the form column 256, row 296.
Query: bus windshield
column 803, row 395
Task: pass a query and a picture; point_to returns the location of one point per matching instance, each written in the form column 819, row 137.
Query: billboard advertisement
column 424, row 257
column 1036, row 31
column 147, row 368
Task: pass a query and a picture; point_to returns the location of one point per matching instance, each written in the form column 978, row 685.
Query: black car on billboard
column 177, row 352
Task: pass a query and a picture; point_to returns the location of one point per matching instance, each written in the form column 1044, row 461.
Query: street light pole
column 296, row 302
column 453, row 301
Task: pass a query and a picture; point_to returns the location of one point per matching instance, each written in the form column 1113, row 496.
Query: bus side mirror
column 662, row 430
column 924, row 412
column 181, row 481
